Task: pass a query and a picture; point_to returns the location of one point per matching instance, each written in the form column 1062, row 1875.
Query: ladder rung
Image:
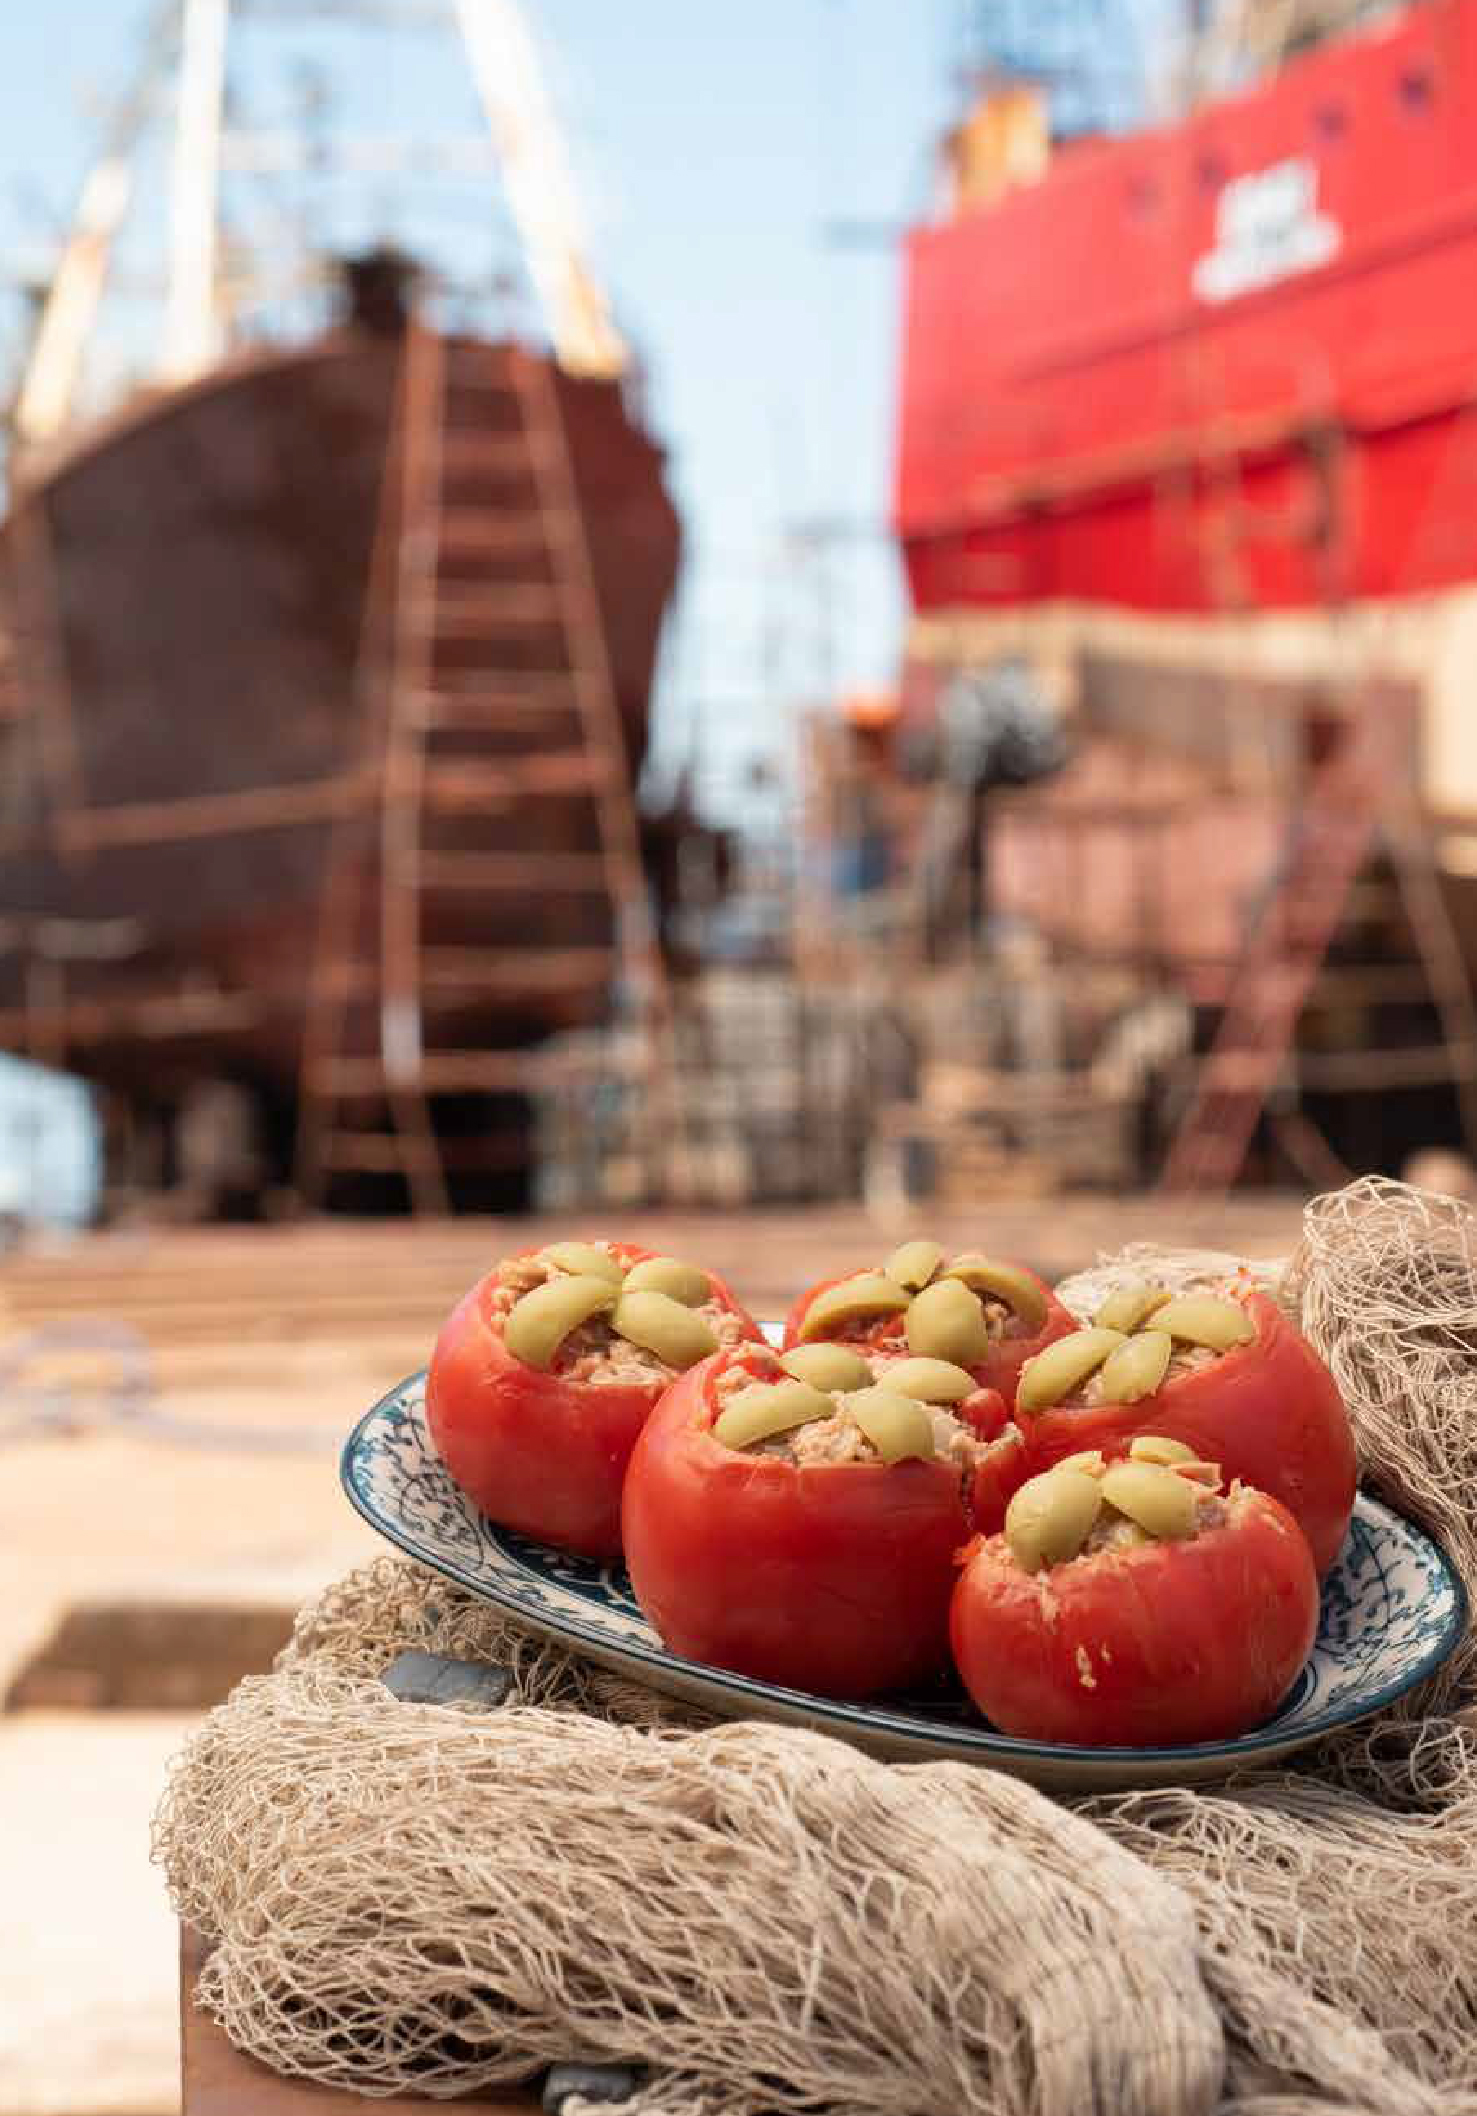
column 490, row 532
column 1418, row 1066
column 468, row 783
column 500, row 972
column 479, row 609
column 439, row 1072
column 517, row 971
column 498, row 453
column 381, row 1153
column 492, row 707
column 1372, row 984
column 549, row 872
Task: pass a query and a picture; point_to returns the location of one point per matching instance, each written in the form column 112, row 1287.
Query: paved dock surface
column 187, row 1392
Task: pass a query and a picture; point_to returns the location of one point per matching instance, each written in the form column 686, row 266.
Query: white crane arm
column 540, row 187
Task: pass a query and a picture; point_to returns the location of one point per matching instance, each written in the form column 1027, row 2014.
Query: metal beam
column 191, row 330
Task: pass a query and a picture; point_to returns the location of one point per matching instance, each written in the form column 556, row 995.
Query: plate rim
column 909, row 1726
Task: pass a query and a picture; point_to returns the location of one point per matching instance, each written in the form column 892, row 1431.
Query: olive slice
column 1156, row 1447
column 679, row 1336
column 537, row 1325
column 827, row 1366
column 669, row 1275
column 866, row 1298
column 898, row 1426
column 1129, row 1307
column 1160, row 1502
column 586, row 1260
column 1137, row 1367
column 769, row 1408
column 914, row 1264
column 946, row 1321
column 1064, row 1366
column 1007, row 1282
column 1201, row 1319
column 1051, row 1517
column 930, row 1380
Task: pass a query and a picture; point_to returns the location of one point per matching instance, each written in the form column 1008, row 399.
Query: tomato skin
column 1153, row 1646
column 834, row 1578
column 1268, row 1412
column 536, row 1453
column 999, row 1369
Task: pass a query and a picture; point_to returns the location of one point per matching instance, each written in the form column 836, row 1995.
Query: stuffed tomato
column 984, row 1313
column 545, row 1373
column 799, row 1521
column 1227, row 1375
column 1135, row 1604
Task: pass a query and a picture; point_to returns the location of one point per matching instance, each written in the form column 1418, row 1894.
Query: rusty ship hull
column 189, row 590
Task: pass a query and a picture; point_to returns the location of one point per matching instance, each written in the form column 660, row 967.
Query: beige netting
column 418, row 1896
column 406, row 1894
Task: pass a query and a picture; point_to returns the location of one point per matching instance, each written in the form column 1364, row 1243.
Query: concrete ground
column 87, row 1941
column 154, row 1565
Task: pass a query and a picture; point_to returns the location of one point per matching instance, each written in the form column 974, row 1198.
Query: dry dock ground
column 171, row 1406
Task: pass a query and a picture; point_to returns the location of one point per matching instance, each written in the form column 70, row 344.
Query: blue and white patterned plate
column 1393, row 1609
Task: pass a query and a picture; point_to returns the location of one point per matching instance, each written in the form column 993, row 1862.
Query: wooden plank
column 469, row 782
column 75, row 1023
column 439, row 1072
column 206, row 815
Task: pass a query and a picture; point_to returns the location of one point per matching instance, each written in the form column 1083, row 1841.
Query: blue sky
column 718, row 147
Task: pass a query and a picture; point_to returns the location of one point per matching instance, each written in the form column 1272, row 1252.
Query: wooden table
column 216, row 2080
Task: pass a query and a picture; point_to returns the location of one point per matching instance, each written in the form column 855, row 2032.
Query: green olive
column 537, row 1325
column 768, row 1408
column 914, row 1264
column 1161, row 1503
column 1155, row 1447
column 1200, row 1319
column 586, row 1260
column 1129, row 1307
column 679, row 1336
column 898, row 1426
column 1007, row 1282
column 667, row 1274
column 865, row 1298
column 827, row 1366
column 930, row 1380
column 1064, row 1366
column 946, row 1321
column 1137, row 1367
column 1051, row 1517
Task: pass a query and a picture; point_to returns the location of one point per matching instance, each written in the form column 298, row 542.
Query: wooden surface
column 216, row 2080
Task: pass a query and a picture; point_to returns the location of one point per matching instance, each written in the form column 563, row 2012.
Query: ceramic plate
column 1392, row 1611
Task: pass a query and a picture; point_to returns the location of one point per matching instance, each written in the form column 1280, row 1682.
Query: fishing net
column 415, row 1897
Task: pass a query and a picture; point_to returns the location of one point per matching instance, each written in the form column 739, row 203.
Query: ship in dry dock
column 329, row 672
column 1186, row 451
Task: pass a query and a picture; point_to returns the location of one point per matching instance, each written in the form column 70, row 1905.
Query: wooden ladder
column 1356, row 800
column 483, row 562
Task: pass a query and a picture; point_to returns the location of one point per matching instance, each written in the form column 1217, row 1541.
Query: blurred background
column 808, row 606
column 749, row 623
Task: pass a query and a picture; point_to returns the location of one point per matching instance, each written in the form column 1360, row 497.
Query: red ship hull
column 1227, row 366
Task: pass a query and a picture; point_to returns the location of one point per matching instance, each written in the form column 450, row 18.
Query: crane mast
column 527, row 146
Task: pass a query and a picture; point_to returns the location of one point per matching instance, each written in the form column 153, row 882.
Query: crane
column 192, row 38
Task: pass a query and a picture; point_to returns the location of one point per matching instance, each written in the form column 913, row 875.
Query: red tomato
column 1267, row 1412
column 829, row 1577
column 1151, row 1646
column 537, row 1452
column 999, row 1369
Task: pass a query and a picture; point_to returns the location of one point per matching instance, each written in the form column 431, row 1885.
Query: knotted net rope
column 424, row 1898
